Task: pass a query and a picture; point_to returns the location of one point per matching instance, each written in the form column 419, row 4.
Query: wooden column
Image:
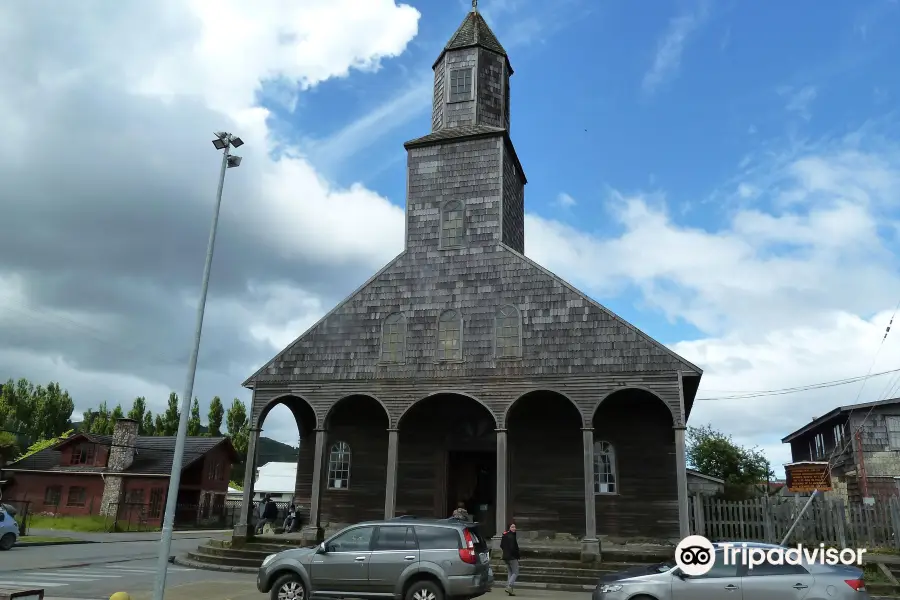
column 311, row 532
column 245, row 526
column 502, row 486
column 590, row 545
column 390, row 490
column 684, row 521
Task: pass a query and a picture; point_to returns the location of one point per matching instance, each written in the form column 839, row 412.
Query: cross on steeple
column 474, row 5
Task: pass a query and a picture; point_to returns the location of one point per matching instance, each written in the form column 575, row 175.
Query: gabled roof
column 474, row 31
column 840, row 411
column 277, row 477
column 153, row 455
column 695, row 473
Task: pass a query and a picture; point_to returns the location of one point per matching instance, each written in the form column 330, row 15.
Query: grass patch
column 43, row 539
column 85, row 524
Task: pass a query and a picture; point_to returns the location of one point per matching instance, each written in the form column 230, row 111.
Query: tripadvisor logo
column 695, row 555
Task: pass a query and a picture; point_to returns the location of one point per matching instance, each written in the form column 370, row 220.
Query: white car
column 9, row 530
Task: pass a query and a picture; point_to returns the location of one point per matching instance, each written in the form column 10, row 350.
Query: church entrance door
column 472, row 480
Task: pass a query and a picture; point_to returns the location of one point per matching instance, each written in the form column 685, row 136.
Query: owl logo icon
column 695, row 555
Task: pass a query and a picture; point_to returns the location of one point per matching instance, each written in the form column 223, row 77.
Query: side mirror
column 2, row 516
column 320, row 549
column 681, row 574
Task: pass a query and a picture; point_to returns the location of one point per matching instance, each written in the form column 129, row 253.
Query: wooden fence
column 768, row 520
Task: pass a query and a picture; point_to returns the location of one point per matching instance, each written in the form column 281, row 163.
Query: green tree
column 147, row 427
column 159, row 426
column 138, row 408
column 215, row 416
column 50, row 411
column 171, row 416
column 42, row 444
column 114, row 417
column 87, row 420
column 100, row 423
column 713, row 453
column 193, row 425
column 9, row 447
column 238, row 427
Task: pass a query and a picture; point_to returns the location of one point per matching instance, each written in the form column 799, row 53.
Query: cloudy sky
column 725, row 176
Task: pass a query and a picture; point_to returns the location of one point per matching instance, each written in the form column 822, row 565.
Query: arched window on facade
column 605, row 475
column 452, row 224
column 508, row 331
column 393, row 338
column 449, row 335
column 339, row 466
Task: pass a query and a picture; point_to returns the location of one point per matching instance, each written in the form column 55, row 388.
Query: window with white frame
column 509, row 332
column 819, row 442
column 452, row 224
column 839, row 440
column 393, row 338
column 605, row 476
column 893, row 428
column 449, row 336
column 339, row 466
column 460, row 85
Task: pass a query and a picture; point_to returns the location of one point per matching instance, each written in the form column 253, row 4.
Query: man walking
column 509, row 546
column 269, row 511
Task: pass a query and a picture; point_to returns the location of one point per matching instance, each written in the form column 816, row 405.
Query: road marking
column 73, row 576
column 32, row 583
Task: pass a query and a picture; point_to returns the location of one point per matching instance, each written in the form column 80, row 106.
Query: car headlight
column 608, row 589
column 268, row 559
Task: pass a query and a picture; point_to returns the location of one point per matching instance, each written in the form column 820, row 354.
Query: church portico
column 465, row 371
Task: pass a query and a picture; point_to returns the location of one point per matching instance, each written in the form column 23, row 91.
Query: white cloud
column 670, row 47
column 206, row 57
column 564, row 200
column 799, row 100
column 793, row 294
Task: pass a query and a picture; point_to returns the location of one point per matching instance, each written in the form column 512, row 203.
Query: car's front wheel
column 424, row 590
column 7, row 541
column 288, row 587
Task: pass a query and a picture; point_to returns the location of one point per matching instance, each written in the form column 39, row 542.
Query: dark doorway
column 471, row 479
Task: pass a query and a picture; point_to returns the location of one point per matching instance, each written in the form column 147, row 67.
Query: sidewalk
column 212, row 590
column 82, row 537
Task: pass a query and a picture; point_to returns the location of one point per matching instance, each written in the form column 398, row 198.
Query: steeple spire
column 474, row 5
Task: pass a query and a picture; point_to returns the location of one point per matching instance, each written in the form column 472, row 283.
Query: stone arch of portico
column 636, row 465
column 302, row 409
column 529, row 393
column 447, row 453
column 354, row 460
column 546, row 467
column 432, row 395
column 307, row 421
column 632, row 388
column 350, row 398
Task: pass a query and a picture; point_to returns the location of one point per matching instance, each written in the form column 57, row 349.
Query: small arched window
column 452, row 224
column 339, row 466
column 393, row 338
column 449, row 335
column 508, row 330
column 605, row 476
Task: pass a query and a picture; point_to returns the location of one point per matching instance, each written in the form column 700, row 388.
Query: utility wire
column 849, row 443
column 797, row 389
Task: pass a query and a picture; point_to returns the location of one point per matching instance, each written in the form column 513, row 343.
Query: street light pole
column 223, row 142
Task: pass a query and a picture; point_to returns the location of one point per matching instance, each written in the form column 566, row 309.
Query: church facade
column 463, row 371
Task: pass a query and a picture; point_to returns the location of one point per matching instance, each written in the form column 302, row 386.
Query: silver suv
column 403, row 558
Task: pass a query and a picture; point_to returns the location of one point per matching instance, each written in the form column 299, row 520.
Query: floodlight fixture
column 236, row 141
column 219, row 144
column 234, row 161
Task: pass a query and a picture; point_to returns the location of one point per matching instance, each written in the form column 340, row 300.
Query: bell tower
column 471, row 78
column 465, row 185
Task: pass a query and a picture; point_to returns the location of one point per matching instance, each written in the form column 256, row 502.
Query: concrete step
column 228, row 561
column 230, row 552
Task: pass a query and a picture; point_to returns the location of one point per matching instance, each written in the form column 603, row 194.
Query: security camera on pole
column 224, row 141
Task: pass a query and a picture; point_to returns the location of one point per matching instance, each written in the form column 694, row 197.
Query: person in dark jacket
column 509, row 546
column 269, row 513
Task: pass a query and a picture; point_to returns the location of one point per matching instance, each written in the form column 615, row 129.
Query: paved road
column 96, row 571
